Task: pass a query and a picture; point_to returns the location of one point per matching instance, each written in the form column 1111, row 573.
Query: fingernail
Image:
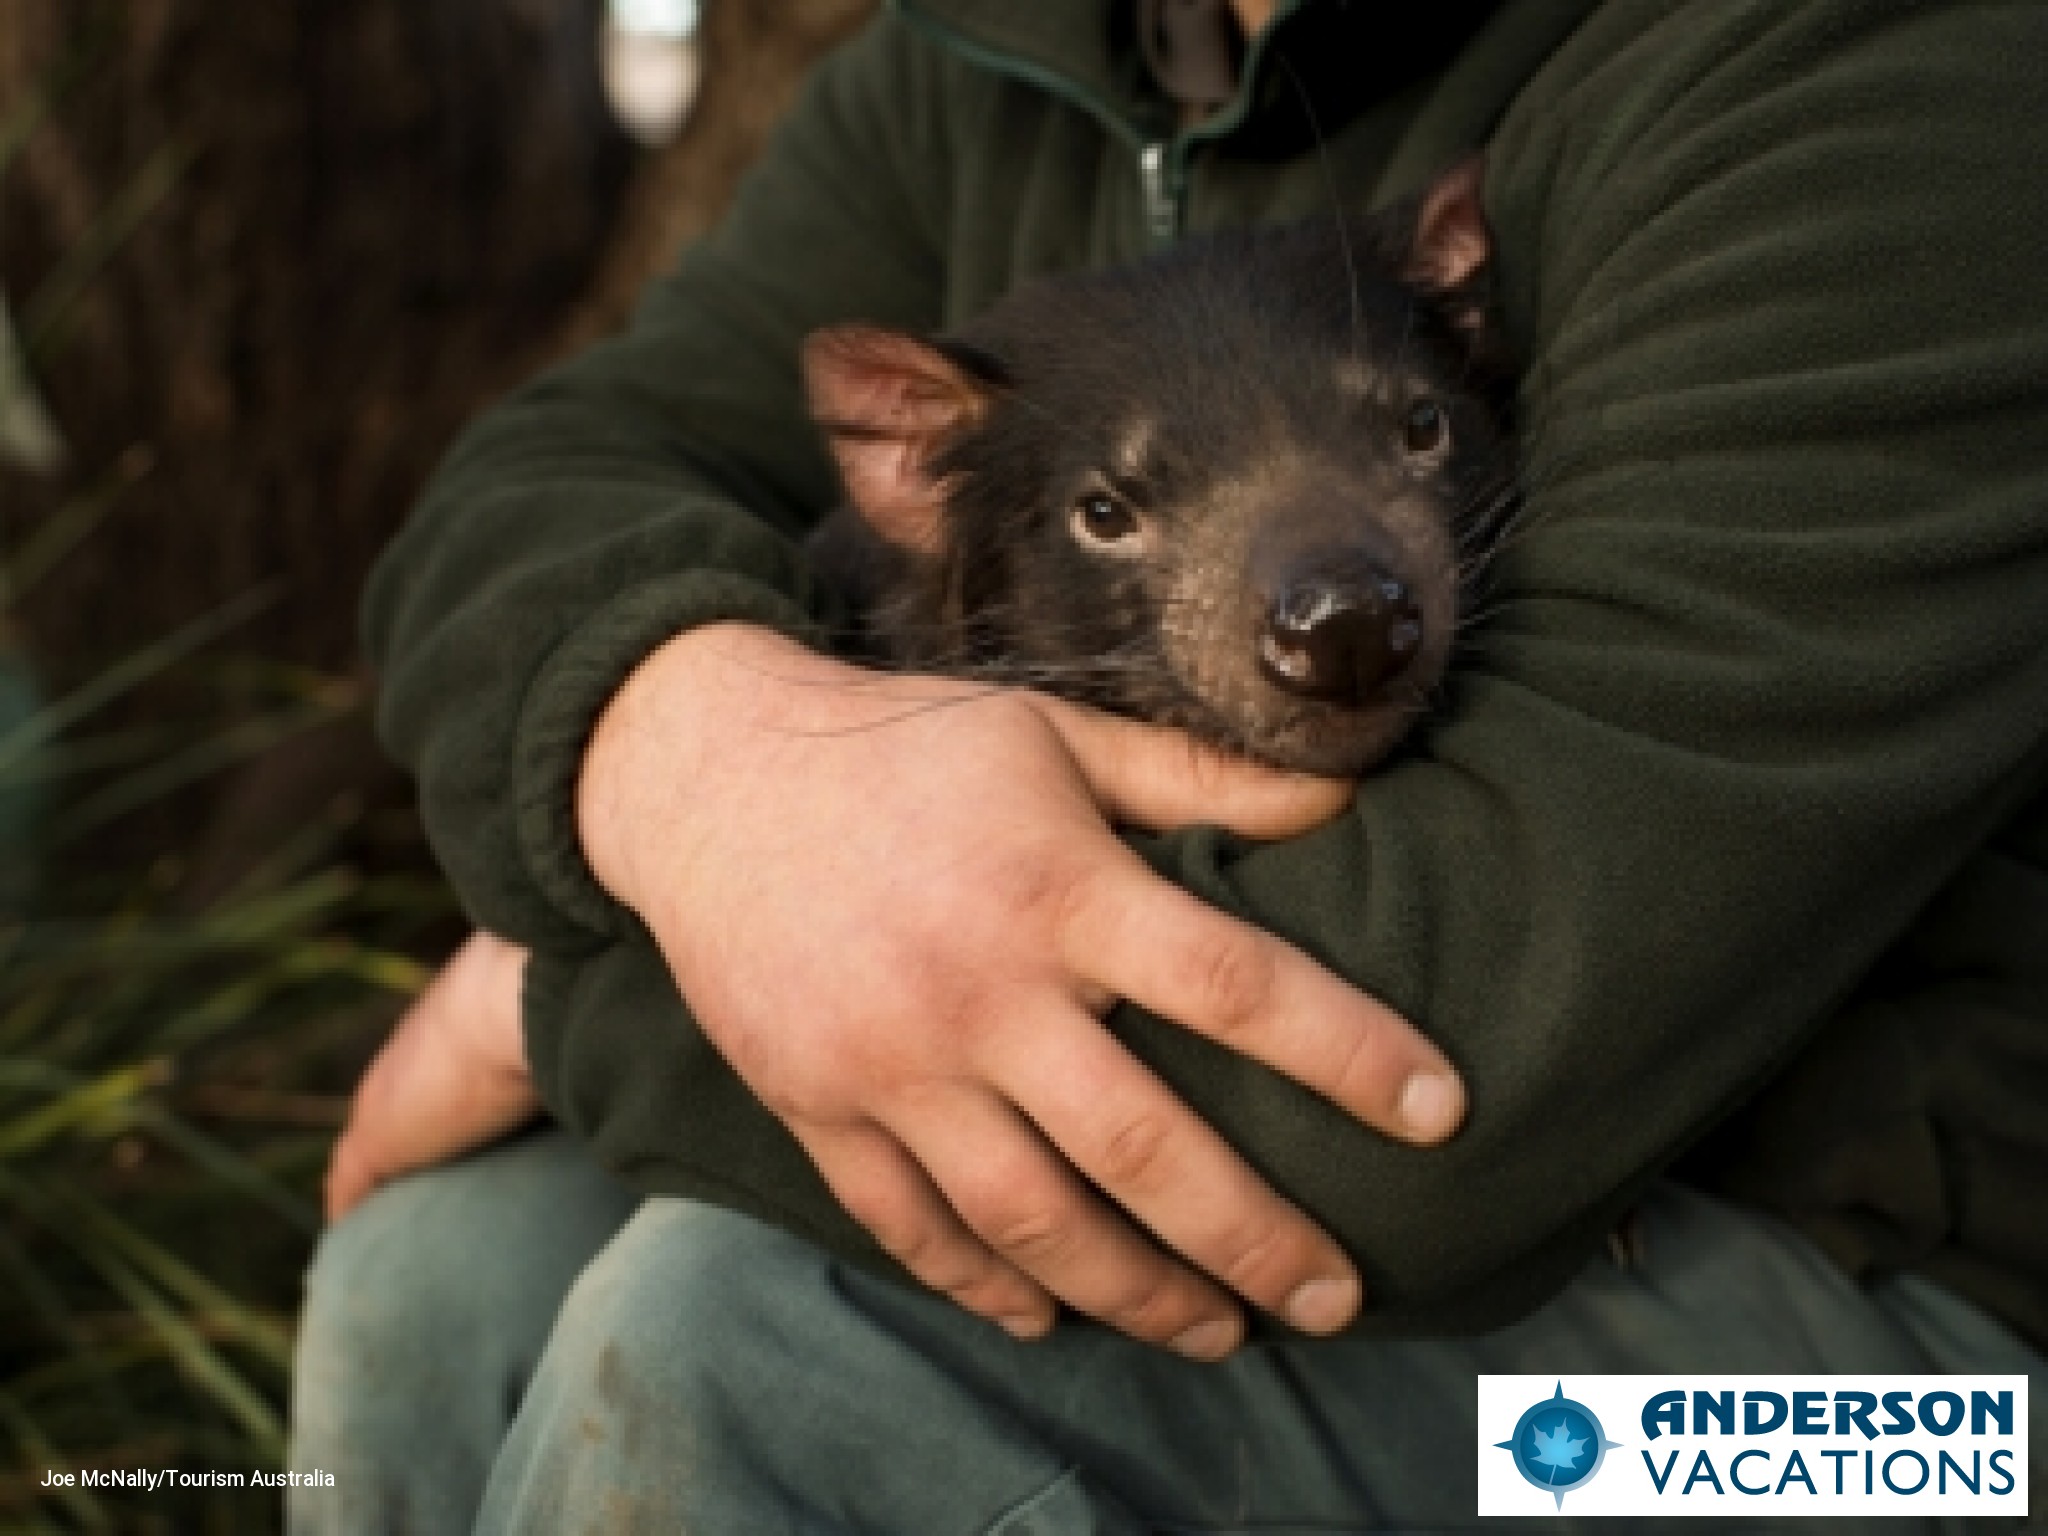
column 1207, row 1341
column 1323, row 1305
column 1024, row 1325
column 1430, row 1105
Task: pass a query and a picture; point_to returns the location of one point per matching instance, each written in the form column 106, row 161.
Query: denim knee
column 708, row 1372
column 683, row 1281
column 458, row 1272
column 426, row 1311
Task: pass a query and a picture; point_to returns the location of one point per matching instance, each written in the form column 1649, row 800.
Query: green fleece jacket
column 1734, row 819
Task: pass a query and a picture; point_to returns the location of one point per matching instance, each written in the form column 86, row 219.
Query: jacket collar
column 1343, row 53
column 1070, row 47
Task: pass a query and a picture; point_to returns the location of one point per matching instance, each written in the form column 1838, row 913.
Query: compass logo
column 1775, row 1446
column 1558, row 1444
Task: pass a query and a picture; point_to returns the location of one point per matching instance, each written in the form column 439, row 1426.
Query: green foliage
column 164, row 1117
column 174, row 1051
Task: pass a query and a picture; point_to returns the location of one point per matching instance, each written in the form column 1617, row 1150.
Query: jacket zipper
column 1164, row 175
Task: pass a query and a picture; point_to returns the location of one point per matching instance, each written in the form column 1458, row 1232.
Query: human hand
column 896, row 906
column 452, row 1076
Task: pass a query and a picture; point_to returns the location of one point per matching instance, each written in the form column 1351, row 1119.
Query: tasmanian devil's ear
column 1451, row 241
column 888, row 404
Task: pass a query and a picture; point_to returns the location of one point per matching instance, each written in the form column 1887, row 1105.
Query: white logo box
column 1821, row 1418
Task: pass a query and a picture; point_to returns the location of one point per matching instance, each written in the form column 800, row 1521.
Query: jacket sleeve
column 656, row 482
column 1767, row 652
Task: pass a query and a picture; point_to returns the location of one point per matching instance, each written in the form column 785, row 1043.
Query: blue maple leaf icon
column 1559, row 1449
column 1550, row 1458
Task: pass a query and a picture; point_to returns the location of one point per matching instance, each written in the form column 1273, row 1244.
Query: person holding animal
column 1708, row 893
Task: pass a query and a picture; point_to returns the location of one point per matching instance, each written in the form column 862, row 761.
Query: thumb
column 1156, row 777
column 349, row 1178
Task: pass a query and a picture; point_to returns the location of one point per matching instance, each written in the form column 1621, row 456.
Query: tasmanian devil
column 1237, row 488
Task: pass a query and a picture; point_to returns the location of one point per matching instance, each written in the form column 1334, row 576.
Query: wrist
column 656, row 736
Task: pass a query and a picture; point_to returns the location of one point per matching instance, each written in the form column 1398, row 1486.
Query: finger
column 882, row 1187
column 1140, row 937
column 1137, row 1142
column 349, row 1179
column 1154, row 776
column 1022, row 1198
column 422, row 1101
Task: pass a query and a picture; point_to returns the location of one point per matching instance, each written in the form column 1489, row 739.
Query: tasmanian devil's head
column 1231, row 489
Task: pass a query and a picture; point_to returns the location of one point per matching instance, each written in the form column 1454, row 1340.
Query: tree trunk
column 754, row 58
column 282, row 249
column 267, row 259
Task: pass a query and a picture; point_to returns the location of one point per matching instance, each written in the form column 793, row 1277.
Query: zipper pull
column 1163, row 189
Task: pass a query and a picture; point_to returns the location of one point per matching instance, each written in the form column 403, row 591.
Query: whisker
column 1336, row 206
column 930, row 706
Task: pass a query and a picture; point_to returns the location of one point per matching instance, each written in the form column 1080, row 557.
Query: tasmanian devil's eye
column 1427, row 428
column 1101, row 520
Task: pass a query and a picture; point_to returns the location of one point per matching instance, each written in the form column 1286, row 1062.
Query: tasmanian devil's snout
column 1340, row 629
column 1311, row 608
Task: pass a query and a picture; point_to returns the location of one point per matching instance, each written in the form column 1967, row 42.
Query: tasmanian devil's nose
column 1340, row 639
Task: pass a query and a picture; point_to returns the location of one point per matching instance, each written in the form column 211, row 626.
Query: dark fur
column 1231, row 346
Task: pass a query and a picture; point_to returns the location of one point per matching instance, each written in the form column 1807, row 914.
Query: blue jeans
column 514, row 1344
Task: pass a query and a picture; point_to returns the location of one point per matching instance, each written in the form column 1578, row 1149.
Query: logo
column 1558, row 1444
column 1772, row 1446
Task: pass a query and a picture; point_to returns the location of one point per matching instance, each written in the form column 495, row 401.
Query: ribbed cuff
column 572, row 689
